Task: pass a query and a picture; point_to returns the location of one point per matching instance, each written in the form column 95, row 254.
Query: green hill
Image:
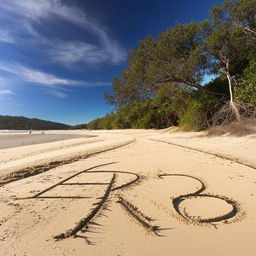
column 79, row 126
column 23, row 123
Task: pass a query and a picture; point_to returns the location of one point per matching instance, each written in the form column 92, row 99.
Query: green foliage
column 241, row 13
column 134, row 83
column 224, row 45
column 162, row 84
column 246, row 89
column 78, row 126
column 244, row 15
column 219, row 86
column 175, row 56
column 201, row 106
column 179, row 55
column 156, row 112
column 98, row 123
column 199, row 112
column 171, row 102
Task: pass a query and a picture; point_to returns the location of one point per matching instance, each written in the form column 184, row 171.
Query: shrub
column 246, row 89
column 200, row 110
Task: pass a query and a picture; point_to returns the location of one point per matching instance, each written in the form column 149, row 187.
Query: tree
column 224, row 45
column 243, row 14
column 246, row 89
column 163, row 79
column 133, row 83
column 123, row 93
column 240, row 13
column 179, row 55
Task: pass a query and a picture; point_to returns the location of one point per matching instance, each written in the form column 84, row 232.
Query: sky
column 58, row 57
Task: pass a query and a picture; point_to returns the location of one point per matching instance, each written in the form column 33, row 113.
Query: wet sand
column 16, row 140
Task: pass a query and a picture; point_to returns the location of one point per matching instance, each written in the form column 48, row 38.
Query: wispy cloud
column 5, row 37
column 56, row 85
column 34, row 76
column 6, row 92
column 72, row 52
column 31, row 12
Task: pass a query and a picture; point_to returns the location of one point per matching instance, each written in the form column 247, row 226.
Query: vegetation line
column 163, row 83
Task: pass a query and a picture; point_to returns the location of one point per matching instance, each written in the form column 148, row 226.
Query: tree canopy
column 163, row 83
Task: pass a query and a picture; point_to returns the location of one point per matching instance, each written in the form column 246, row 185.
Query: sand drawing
column 37, row 169
column 177, row 201
column 103, row 203
column 110, row 195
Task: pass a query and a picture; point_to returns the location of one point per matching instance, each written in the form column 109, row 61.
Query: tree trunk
column 231, row 102
column 230, row 86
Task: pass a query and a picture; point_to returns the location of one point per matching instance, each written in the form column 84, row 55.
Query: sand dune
column 130, row 192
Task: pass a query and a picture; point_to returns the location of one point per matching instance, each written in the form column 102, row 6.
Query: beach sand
column 129, row 192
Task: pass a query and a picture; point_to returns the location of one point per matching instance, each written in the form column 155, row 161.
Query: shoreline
column 16, row 139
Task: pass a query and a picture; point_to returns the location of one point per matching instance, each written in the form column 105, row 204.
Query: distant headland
column 24, row 123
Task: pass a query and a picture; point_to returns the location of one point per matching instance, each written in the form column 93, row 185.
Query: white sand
column 27, row 226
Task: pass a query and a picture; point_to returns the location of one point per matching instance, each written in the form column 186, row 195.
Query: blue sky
column 58, row 57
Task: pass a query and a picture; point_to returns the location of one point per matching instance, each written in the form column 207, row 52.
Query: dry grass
column 234, row 118
column 236, row 128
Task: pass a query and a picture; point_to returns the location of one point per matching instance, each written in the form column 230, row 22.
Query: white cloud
column 6, row 92
column 34, row 76
column 34, row 9
column 72, row 52
column 30, row 75
column 58, row 94
column 55, row 84
column 30, row 12
column 20, row 22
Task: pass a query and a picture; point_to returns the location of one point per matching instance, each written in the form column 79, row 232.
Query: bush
column 246, row 89
column 200, row 110
column 171, row 104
